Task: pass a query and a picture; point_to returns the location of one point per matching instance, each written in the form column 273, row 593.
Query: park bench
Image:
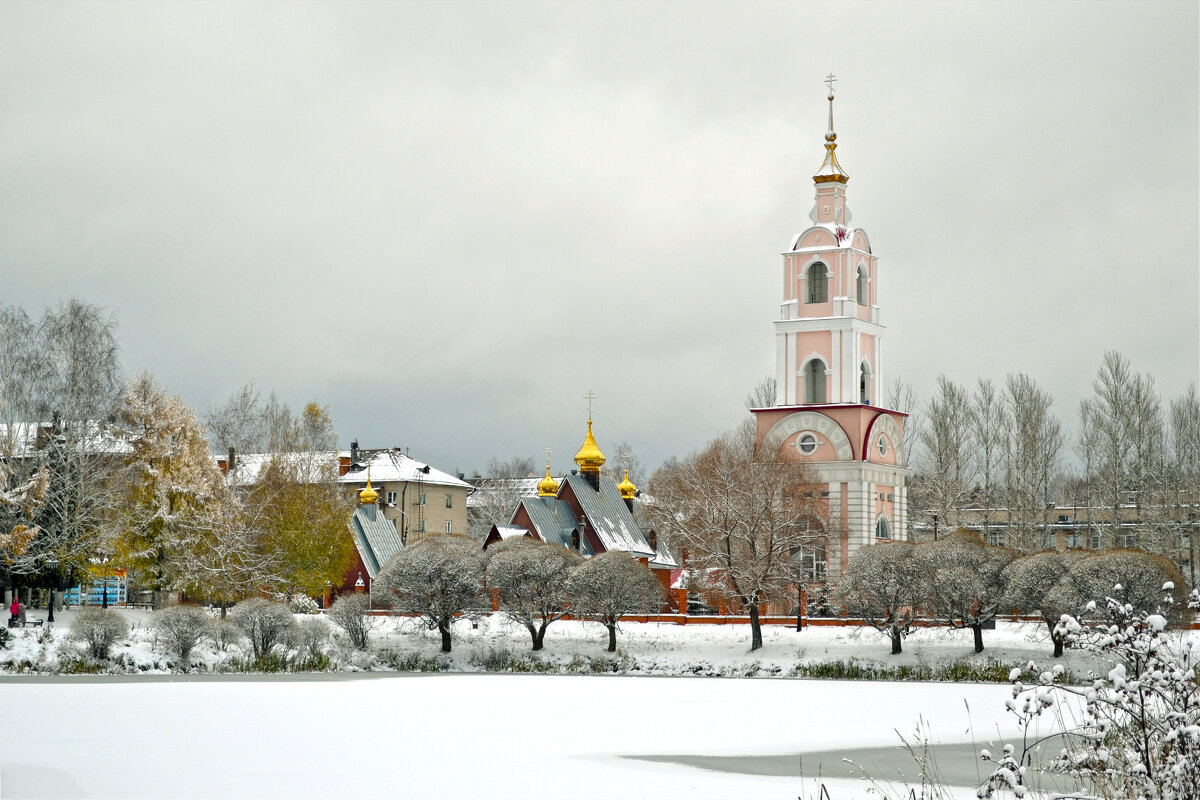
column 16, row 623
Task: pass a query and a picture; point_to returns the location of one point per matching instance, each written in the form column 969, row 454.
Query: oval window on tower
column 807, row 444
column 882, row 445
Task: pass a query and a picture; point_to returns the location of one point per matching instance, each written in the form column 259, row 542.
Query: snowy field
column 378, row 733
column 454, row 736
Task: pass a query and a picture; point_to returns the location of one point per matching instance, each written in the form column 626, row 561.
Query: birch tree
column 949, row 467
column 1185, row 448
column 1032, row 457
column 989, row 429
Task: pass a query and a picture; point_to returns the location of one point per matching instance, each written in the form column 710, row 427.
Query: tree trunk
column 894, row 632
column 977, row 629
column 612, row 637
column 755, row 627
column 1058, row 640
column 444, row 628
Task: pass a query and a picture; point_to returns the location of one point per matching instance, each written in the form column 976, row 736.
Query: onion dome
column 626, row 488
column 831, row 171
column 547, row 486
column 589, row 458
column 368, row 496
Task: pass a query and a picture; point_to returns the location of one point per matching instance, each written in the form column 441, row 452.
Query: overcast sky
column 448, row 222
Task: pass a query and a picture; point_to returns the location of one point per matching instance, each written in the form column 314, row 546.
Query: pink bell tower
column 829, row 373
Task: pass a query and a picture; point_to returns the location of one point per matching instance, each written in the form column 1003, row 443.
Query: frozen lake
column 454, row 736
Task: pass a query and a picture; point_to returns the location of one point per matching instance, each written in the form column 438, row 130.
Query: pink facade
column 830, row 374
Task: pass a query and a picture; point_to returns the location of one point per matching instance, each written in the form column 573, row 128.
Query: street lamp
column 104, row 585
column 53, row 565
column 935, row 527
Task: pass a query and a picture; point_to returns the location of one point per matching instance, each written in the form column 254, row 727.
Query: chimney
column 231, row 464
column 354, row 452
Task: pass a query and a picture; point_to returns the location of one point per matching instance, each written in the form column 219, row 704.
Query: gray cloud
column 450, row 221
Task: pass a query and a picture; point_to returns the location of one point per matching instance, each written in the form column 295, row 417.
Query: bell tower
column 829, row 371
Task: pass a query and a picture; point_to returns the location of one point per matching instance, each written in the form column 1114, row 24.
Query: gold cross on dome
column 590, row 396
column 830, row 79
column 547, row 458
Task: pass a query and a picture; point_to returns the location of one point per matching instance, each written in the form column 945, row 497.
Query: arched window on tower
column 816, row 280
column 814, row 381
column 862, row 285
column 883, row 529
column 864, row 384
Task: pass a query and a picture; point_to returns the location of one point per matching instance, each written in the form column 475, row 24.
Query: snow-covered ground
column 382, row 734
column 452, row 736
column 643, row 648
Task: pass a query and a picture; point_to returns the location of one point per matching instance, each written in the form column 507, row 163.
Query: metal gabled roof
column 554, row 522
column 608, row 516
column 375, row 537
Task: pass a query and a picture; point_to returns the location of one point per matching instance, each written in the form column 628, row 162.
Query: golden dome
column 368, row 496
column 626, row 488
column 547, row 486
column 589, row 458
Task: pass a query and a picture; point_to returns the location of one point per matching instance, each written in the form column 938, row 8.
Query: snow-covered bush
column 310, row 637
column 302, row 604
column 225, row 632
column 349, row 612
column 181, row 629
column 99, row 629
column 1140, row 732
column 885, row 585
column 264, row 623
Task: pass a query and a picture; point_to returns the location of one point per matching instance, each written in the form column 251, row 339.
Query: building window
column 816, row 281
column 862, row 286
column 449, row 526
column 391, row 498
column 864, row 384
column 814, row 381
column 449, row 502
column 422, row 498
column 575, row 539
column 807, row 444
column 421, row 526
column 1074, row 539
column 883, row 530
column 812, row 563
column 994, row 537
column 882, row 445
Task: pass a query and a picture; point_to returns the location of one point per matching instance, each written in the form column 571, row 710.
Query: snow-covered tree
column 439, row 576
column 964, row 580
column 989, row 428
column 167, row 480
column 1029, row 588
column 611, row 585
column 885, row 584
column 739, row 516
column 99, row 629
column 530, row 578
column 1132, row 577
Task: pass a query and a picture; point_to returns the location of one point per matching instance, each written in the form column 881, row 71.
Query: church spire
column 831, row 170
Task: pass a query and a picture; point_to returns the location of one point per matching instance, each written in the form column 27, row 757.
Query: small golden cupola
column 626, row 488
column 547, row 486
column 368, row 496
column 589, row 458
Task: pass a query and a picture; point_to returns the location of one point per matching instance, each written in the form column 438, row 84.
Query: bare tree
column 741, row 517
column 350, row 613
column 885, row 584
column 265, row 624
column 530, row 578
column 181, row 629
column 989, row 424
column 965, row 585
column 611, row 585
column 949, row 470
column 1185, row 447
column 439, row 576
column 902, row 398
column 1032, row 457
column 1029, row 588
column 238, row 424
column 764, row 394
column 497, row 494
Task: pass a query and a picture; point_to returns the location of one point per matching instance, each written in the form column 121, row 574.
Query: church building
column 829, row 408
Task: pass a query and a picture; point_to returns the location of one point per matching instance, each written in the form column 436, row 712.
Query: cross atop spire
column 547, row 458
column 831, row 170
column 830, row 80
column 590, row 396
